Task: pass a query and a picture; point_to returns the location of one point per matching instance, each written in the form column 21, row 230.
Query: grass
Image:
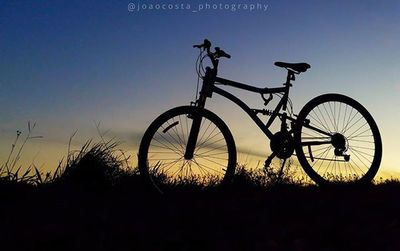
column 10, row 170
column 102, row 164
column 96, row 201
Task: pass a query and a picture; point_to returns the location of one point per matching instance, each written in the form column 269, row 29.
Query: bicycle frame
column 210, row 79
column 251, row 112
column 208, row 88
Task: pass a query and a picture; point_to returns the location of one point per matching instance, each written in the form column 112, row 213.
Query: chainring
column 282, row 144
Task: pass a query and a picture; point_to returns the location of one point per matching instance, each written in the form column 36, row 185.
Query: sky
column 68, row 65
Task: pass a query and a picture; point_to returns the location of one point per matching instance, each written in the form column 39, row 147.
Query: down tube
column 247, row 109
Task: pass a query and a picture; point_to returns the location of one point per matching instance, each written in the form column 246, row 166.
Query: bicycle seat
column 296, row 67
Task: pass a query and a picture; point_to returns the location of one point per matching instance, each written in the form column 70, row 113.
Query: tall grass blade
column 38, row 176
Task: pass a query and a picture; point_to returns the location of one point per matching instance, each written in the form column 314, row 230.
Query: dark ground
column 128, row 217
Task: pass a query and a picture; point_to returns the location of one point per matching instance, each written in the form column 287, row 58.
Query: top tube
column 224, row 81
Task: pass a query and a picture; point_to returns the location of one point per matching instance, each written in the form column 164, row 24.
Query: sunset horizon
column 69, row 67
column 200, row 125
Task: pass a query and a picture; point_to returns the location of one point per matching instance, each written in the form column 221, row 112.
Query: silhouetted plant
column 10, row 171
column 93, row 165
column 245, row 177
column 103, row 164
column 160, row 178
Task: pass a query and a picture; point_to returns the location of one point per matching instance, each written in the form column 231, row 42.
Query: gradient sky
column 69, row 64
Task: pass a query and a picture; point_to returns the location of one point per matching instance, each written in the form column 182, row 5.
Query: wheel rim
column 165, row 157
column 352, row 133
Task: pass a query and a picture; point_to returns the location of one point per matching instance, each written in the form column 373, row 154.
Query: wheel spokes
column 328, row 161
column 167, row 149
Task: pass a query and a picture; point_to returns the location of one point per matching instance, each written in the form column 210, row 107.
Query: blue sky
column 69, row 64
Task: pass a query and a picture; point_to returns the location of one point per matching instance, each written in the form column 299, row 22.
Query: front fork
column 194, row 133
column 206, row 92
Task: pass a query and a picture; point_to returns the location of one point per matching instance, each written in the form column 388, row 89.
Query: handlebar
column 214, row 55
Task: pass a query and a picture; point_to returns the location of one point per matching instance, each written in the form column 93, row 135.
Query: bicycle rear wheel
column 337, row 141
column 162, row 150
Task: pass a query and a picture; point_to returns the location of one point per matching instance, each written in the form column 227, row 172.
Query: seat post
column 290, row 76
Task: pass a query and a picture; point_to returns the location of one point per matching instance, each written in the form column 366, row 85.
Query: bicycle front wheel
column 162, row 149
column 337, row 141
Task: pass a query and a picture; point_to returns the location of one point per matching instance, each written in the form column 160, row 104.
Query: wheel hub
column 282, row 145
column 341, row 145
column 339, row 142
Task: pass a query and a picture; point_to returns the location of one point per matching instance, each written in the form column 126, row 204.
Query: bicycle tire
column 363, row 143
column 167, row 137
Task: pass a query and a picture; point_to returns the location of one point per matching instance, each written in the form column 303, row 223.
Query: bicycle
column 333, row 137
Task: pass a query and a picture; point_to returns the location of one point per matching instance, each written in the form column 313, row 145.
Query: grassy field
column 94, row 202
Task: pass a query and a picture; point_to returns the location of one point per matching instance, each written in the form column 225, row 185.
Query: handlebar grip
column 206, row 44
column 226, row 55
column 221, row 53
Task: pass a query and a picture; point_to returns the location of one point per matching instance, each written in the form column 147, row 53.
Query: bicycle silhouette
column 333, row 137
